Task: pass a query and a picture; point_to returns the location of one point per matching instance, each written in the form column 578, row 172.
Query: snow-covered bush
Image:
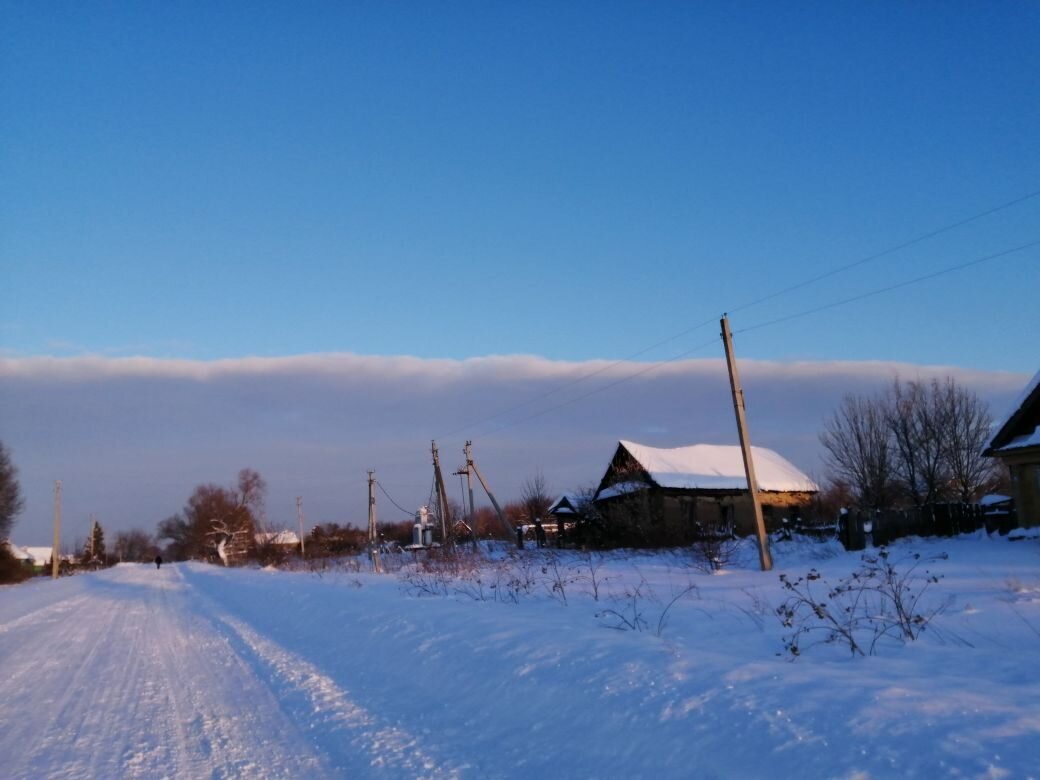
column 878, row 601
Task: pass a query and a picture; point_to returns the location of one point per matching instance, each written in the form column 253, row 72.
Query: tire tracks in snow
column 352, row 738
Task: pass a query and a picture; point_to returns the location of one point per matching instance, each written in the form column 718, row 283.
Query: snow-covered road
column 196, row 671
column 133, row 673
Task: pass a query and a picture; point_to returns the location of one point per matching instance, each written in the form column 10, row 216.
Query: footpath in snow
column 197, row 671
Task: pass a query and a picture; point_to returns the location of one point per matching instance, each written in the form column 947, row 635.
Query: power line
column 891, row 287
column 819, row 277
column 886, row 252
column 380, row 486
column 835, row 304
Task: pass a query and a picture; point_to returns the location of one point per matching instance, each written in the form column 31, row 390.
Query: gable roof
column 18, row 553
column 1021, row 427
column 564, row 505
column 40, row 555
column 285, row 537
column 717, row 467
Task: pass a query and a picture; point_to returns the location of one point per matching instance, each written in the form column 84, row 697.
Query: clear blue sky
column 573, row 180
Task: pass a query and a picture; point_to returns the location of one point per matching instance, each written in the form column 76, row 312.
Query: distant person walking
column 158, row 561
column 539, row 532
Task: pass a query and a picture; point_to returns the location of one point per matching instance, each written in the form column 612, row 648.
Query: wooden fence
column 883, row 526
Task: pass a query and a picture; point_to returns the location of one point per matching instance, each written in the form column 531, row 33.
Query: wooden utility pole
column 745, row 446
column 442, row 494
column 56, row 549
column 472, row 465
column 465, row 470
column 299, row 520
column 372, row 535
column 469, row 488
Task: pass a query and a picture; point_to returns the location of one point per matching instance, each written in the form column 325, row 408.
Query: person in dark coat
column 158, row 561
column 539, row 532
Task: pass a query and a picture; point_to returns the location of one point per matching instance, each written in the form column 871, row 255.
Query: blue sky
column 563, row 179
column 570, row 181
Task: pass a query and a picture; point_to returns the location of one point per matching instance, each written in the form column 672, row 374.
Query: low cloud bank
column 131, row 437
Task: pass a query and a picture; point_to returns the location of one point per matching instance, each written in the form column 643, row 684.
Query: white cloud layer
column 131, row 437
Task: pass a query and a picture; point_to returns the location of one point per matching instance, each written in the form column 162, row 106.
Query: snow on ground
column 198, row 671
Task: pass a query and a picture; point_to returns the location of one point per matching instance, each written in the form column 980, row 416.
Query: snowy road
column 196, row 671
column 132, row 673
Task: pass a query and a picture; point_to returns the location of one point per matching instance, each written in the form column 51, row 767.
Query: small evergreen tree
column 94, row 553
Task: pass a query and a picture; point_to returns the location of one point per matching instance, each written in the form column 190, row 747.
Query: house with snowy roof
column 18, row 553
column 669, row 496
column 285, row 539
column 1017, row 444
column 566, row 506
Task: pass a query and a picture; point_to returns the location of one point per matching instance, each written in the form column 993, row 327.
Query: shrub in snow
column 875, row 602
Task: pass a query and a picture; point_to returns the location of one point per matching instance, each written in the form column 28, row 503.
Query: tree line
column 914, row 443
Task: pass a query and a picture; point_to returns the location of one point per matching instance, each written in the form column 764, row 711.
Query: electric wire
column 380, row 486
column 890, row 288
column 835, row 304
column 792, row 288
column 885, row 252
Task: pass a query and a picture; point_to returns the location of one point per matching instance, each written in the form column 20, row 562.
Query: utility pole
column 372, row 535
column 442, row 495
column 472, row 465
column 745, row 446
column 469, row 486
column 299, row 519
column 55, row 551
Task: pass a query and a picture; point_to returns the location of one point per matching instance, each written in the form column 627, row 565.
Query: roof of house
column 564, row 505
column 717, row 467
column 278, row 537
column 40, row 555
column 18, row 553
column 1021, row 427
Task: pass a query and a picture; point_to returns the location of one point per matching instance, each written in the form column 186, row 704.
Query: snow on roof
column 717, row 467
column 39, row 555
column 278, row 537
column 563, row 505
column 993, row 498
column 1026, row 440
column 17, row 552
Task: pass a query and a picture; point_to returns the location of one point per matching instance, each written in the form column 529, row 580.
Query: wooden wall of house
column 1025, row 485
column 660, row 517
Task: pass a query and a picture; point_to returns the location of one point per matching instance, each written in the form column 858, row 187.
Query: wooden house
column 668, row 496
column 1017, row 444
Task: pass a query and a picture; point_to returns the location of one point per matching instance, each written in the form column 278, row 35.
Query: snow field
column 198, row 671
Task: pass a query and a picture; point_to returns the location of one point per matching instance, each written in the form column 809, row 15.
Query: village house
column 669, row 496
column 283, row 540
column 1017, row 444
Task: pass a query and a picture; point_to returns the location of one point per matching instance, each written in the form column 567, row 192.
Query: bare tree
column 926, row 439
column 917, row 418
column 218, row 521
column 858, row 450
column 535, row 498
column 966, row 434
column 134, row 546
